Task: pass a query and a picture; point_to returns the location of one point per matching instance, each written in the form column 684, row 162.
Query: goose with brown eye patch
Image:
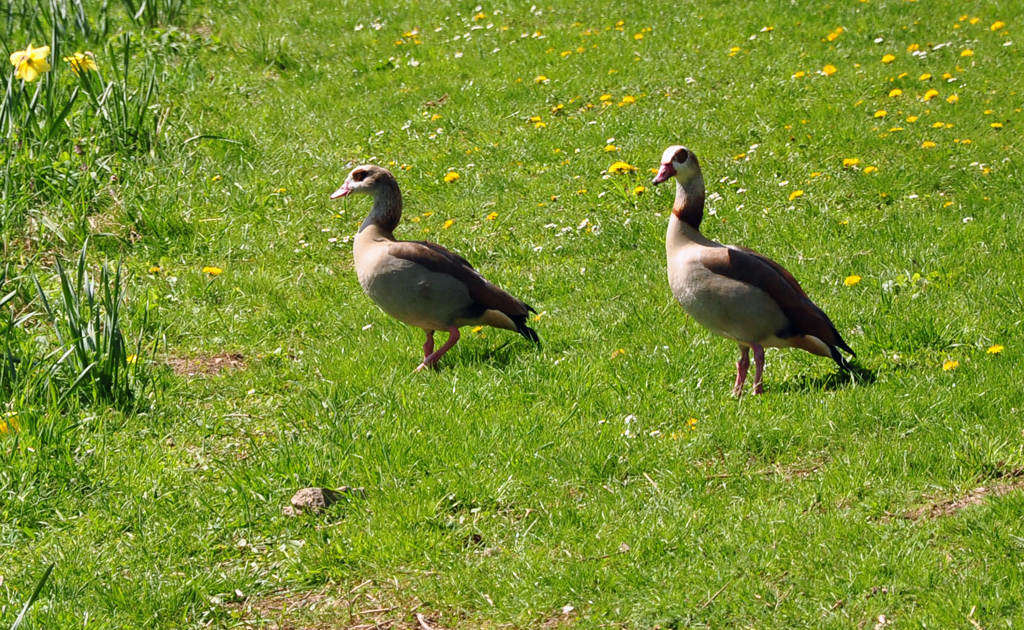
column 733, row 291
column 419, row 283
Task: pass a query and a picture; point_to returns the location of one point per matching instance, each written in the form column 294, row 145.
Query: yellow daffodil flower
column 82, row 62
column 30, row 63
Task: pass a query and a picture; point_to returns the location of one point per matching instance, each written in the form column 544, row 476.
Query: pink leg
column 431, row 361
column 429, row 346
column 741, row 371
column 758, row 368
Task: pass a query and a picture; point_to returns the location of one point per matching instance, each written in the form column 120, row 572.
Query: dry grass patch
column 206, row 364
column 1012, row 481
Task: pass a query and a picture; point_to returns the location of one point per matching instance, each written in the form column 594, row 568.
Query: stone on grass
column 315, row 500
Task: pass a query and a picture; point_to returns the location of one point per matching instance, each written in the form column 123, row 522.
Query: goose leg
column 431, row 361
column 758, row 368
column 429, row 346
column 741, row 371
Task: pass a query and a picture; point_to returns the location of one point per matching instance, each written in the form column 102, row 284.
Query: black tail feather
column 523, row 329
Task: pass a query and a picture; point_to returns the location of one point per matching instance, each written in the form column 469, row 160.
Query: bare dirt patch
column 1009, row 481
column 206, row 364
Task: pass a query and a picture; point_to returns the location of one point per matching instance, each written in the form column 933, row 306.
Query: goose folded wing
column 750, row 267
column 439, row 260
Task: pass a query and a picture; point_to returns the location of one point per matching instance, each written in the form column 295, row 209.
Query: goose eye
column 681, row 155
column 359, row 176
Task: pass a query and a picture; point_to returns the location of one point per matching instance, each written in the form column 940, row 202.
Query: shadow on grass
column 499, row 357
column 836, row 380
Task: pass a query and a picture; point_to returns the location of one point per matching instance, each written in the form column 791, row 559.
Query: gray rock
column 315, row 500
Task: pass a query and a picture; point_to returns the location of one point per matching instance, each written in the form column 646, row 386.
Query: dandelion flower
column 995, row 27
column 611, row 147
column 540, row 124
column 952, row 98
column 799, row 74
column 925, row 77
column 930, row 94
column 448, row 224
column 132, row 359
column 213, row 271
column 606, row 97
column 796, row 193
column 639, row 190
column 638, row 36
column 880, row 113
column 937, row 125
column 895, row 92
column 492, row 216
column 911, row 119
column 621, row 167
column 967, row 53
column 996, row 349
column 451, row 177
column 628, row 99
column 851, row 280
column 950, row 365
column 997, row 125
column 913, row 48
column 82, row 62
column 30, row 63
column 870, row 169
column 888, row 58
column 541, row 79
column 154, row 269
column 829, row 70
column 927, row 144
column 847, row 162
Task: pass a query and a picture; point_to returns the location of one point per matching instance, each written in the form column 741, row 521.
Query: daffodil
column 30, row 63
column 82, row 62
column 621, row 167
column 851, row 280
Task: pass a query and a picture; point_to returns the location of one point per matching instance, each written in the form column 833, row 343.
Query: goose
column 422, row 284
column 735, row 292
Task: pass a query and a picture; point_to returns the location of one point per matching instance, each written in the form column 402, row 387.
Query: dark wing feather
column 756, row 269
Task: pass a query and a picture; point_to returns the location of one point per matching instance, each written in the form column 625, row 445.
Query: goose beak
column 344, row 191
column 664, row 173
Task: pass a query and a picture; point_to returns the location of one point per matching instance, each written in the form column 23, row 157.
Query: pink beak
column 664, row 173
column 344, row 191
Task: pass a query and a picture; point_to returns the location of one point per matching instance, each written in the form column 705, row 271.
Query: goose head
column 367, row 179
column 679, row 162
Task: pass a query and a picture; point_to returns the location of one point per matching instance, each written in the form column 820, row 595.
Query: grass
column 609, row 471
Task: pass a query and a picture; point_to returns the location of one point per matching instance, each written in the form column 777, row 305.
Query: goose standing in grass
column 736, row 292
column 419, row 283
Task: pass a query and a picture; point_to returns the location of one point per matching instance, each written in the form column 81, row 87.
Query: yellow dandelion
column 851, row 280
column 638, row 36
column 848, row 162
column 927, row 144
column 888, row 58
column 930, row 94
column 913, row 48
column 448, row 224
column 799, row 74
column 947, row 76
column 154, row 269
column 451, row 177
column 540, row 125
column 541, row 79
column 739, row 156
column 611, row 147
column 870, row 169
column 30, row 63
column 953, row 98
column 492, row 216
column 436, row 117
column 621, row 167
column 606, row 97
column 215, row 178
column 213, row 271
column 895, row 92
column 815, row 174
column 639, row 190
column 925, row 77
column 911, row 119
column 975, row 20
column 997, row 125
column 132, row 359
column 937, row 125
column 829, row 70
column 996, row 349
column 880, row 113
column 995, row 27
column 628, row 99
column 950, row 365
column 967, row 53
column 796, row 193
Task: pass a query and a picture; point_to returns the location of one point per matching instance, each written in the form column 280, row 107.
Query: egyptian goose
column 736, row 292
column 419, row 283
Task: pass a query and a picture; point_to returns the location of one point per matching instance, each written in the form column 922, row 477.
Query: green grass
column 504, row 486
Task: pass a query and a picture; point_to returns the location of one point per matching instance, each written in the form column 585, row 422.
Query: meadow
column 185, row 343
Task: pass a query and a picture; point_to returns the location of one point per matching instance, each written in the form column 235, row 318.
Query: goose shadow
column 836, row 380
column 499, row 357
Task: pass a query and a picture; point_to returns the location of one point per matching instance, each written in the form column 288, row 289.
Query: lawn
column 605, row 479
